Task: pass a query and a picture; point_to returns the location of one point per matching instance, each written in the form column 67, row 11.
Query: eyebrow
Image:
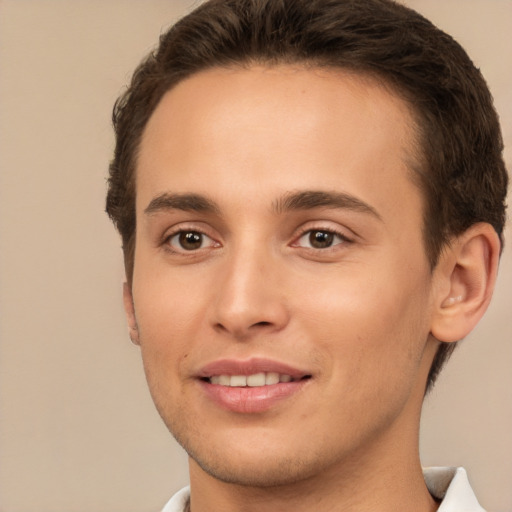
column 185, row 202
column 309, row 199
column 302, row 200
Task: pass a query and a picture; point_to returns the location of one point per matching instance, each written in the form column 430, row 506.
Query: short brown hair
column 461, row 174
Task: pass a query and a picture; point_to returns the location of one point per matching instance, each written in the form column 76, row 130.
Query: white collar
column 450, row 485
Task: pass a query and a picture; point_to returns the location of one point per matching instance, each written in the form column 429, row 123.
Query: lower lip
column 251, row 400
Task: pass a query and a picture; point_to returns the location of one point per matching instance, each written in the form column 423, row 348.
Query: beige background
column 78, row 431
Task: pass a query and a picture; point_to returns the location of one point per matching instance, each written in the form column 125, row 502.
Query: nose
column 250, row 299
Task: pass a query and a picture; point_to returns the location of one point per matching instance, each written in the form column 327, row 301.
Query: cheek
column 167, row 306
column 369, row 325
column 169, row 314
column 372, row 338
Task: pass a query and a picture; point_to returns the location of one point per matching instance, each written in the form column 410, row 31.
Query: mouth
column 253, row 386
column 254, row 380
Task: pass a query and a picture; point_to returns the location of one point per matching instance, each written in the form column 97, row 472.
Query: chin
column 269, row 471
column 255, row 464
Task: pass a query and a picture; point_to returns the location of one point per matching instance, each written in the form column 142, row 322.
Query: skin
column 357, row 315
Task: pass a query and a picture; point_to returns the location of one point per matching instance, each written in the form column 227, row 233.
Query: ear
column 130, row 314
column 465, row 278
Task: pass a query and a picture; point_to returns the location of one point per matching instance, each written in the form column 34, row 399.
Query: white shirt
column 450, row 485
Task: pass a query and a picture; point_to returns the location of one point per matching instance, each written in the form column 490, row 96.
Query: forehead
column 281, row 128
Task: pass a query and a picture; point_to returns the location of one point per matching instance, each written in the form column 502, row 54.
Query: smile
column 252, row 381
column 251, row 386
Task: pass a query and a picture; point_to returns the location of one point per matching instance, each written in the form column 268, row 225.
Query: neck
column 365, row 482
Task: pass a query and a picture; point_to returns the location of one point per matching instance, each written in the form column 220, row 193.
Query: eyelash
column 187, row 231
column 214, row 244
column 344, row 239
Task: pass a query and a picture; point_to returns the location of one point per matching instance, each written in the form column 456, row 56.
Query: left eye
column 320, row 239
column 190, row 240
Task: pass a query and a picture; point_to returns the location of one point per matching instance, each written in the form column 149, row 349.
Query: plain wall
column 78, row 431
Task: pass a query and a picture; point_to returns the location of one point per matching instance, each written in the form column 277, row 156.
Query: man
column 311, row 196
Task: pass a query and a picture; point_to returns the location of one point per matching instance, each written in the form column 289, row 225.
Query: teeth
column 255, row 380
column 224, row 380
column 238, row 381
column 258, row 379
column 271, row 378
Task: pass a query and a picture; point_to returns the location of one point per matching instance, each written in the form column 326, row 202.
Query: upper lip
column 249, row 367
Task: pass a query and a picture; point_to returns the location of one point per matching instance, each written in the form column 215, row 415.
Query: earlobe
column 130, row 314
column 465, row 274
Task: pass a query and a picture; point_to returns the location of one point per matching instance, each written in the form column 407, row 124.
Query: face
column 281, row 290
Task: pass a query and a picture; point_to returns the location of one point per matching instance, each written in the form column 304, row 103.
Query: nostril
column 261, row 324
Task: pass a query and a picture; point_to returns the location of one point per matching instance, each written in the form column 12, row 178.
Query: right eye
column 189, row 240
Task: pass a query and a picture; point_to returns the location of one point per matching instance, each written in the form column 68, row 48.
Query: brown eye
column 189, row 240
column 321, row 239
